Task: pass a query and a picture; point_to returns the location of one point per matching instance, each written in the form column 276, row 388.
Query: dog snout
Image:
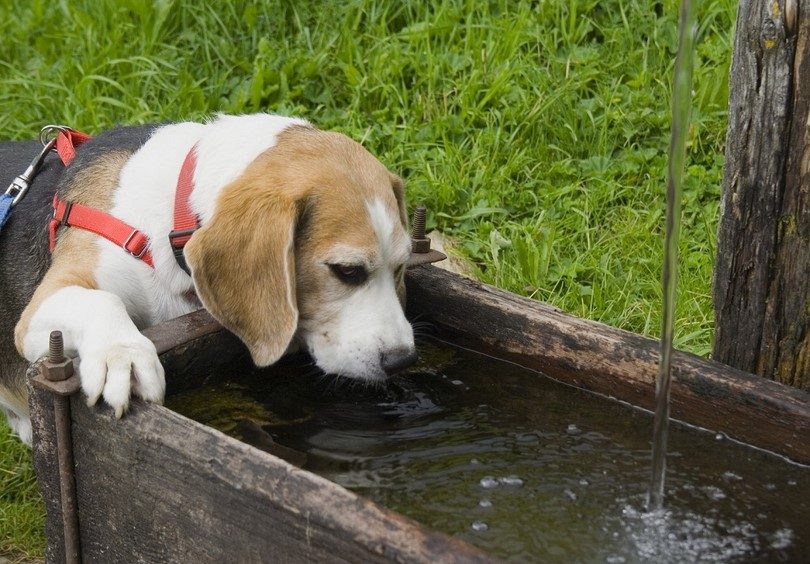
column 397, row 359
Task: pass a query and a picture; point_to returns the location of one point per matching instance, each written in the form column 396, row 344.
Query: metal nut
column 57, row 371
column 420, row 245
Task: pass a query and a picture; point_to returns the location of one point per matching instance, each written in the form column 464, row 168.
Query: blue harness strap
column 5, row 208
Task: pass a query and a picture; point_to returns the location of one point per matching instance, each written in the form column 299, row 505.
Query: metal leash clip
column 20, row 185
column 52, row 130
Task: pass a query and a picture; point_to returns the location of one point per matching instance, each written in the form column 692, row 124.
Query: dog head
column 310, row 242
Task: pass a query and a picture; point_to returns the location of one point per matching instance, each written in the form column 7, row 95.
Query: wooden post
column 762, row 275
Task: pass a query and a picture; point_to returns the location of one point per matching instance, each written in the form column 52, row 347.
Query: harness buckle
column 178, row 234
column 125, row 246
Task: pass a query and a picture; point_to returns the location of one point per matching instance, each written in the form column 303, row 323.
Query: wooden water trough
column 156, row 486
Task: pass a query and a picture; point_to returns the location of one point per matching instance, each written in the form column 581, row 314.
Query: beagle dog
column 302, row 241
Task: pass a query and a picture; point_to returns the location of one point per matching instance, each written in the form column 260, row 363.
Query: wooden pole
column 762, row 273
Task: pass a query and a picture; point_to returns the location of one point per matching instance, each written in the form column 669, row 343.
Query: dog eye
column 349, row 273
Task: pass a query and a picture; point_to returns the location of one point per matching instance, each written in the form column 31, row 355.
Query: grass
column 22, row 513
column 535, row 132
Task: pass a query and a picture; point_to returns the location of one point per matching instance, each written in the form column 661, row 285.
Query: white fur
column 370, row 321
column 18, row 420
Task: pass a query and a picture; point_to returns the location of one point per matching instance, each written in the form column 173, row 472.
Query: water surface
column 518, row 464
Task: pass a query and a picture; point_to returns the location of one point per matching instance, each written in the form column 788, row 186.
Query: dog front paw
column 119, row 368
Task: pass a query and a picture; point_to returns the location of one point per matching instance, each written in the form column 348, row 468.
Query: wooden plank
column 761, row 284
column 610, row 361
column 180, row 331
column 155, row 486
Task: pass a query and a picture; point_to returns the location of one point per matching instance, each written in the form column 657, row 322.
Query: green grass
column 22, row 513
column 536, row 133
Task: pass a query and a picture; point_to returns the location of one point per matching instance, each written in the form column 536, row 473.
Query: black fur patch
column 24, row 254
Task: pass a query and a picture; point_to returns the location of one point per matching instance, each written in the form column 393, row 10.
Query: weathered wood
column 762, row 274
column 610, row 361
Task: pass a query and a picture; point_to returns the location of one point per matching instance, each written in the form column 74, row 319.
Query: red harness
column 132, row 240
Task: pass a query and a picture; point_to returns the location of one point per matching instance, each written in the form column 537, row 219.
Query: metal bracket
column 58, row 376
column 66, row 387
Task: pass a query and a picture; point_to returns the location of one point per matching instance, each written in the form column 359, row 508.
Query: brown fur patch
column 244, row 267
column 76, row 254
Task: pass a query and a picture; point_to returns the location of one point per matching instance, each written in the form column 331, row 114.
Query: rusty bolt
column 57, row 368
column 419, row 242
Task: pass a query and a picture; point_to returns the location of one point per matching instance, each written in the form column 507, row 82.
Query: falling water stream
column 681, row 101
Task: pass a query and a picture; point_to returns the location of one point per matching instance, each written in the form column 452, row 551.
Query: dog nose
column 397, row 359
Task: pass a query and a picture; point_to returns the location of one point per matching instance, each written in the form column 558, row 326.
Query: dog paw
column 115, row 370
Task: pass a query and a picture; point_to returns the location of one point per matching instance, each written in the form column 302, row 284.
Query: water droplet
column 791, row 482
column 615, row 559
column 573, row 430
column 488, row 482
column 584, row 482
column 475, row 461
column 731, row 476
column 719, row 437
column 570, row 494
column 770, row 487
column 479, row 526
column 456, row 382
column 782, row 539
column 631, row 512
column 714, row 492
column 484, row 503
column 511, row 480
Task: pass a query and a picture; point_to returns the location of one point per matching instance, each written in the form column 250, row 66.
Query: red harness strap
column 66, row 142
column 118, row 232
column 185, row 220
column 132, row 240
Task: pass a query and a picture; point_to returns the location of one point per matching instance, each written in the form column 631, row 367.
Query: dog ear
column 243, row 266
column 399, row 193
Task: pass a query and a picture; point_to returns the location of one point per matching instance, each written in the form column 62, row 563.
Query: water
column 517, row 464
column 681, row 100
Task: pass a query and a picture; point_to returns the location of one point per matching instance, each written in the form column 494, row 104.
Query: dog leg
column 13, row 406
column 115, row 359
